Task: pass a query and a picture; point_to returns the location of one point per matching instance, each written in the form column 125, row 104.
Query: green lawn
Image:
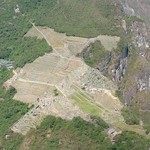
column 84, row 101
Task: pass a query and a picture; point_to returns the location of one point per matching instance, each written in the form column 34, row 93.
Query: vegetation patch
column 14, row 45
column 84, row 101
column 79, row 18
column 13, row 142
column 55, row 133
column 131, row 115
column 28, row 51
column 86, row 105
column 94, row 54
column 10, row 112
column 131, row 141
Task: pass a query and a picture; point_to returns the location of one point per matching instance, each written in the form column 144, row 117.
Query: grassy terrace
column 84, row 101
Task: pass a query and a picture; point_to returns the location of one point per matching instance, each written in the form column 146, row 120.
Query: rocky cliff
column 129, row 66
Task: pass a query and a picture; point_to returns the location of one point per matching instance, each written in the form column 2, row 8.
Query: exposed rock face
column 140, row 37
column 119, row 70
column 103, row 65
column 116, row 66
column 6, row 63
column 141, row 8
column 140, row 81
column 144, row 80
column 115, row 72
column 130, row 69
column 127, row 9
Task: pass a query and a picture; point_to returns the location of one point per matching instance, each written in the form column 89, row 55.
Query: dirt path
column 54, row 50
column 35, row 82
column 41, row 83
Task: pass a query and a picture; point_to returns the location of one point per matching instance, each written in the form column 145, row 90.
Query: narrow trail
column 35, row 82
column 46, row 39
column 74, row 59
column 41, row 83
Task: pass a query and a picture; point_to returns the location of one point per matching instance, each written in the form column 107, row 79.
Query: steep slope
column 142, row 9
column 130, row 68
column 61, row 70
column 62, row 85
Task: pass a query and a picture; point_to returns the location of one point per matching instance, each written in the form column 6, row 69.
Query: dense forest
column 55, row 133
column 14, row 46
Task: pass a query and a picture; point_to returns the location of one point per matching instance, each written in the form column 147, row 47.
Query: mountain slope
column 61, row 84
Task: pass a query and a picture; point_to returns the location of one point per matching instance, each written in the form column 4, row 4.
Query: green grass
column 86, row 105
column 84, row 101
column 83, row 93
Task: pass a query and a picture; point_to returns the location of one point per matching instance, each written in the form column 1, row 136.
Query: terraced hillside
column 55, row 88
column 67, row 78
column 61, row 84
